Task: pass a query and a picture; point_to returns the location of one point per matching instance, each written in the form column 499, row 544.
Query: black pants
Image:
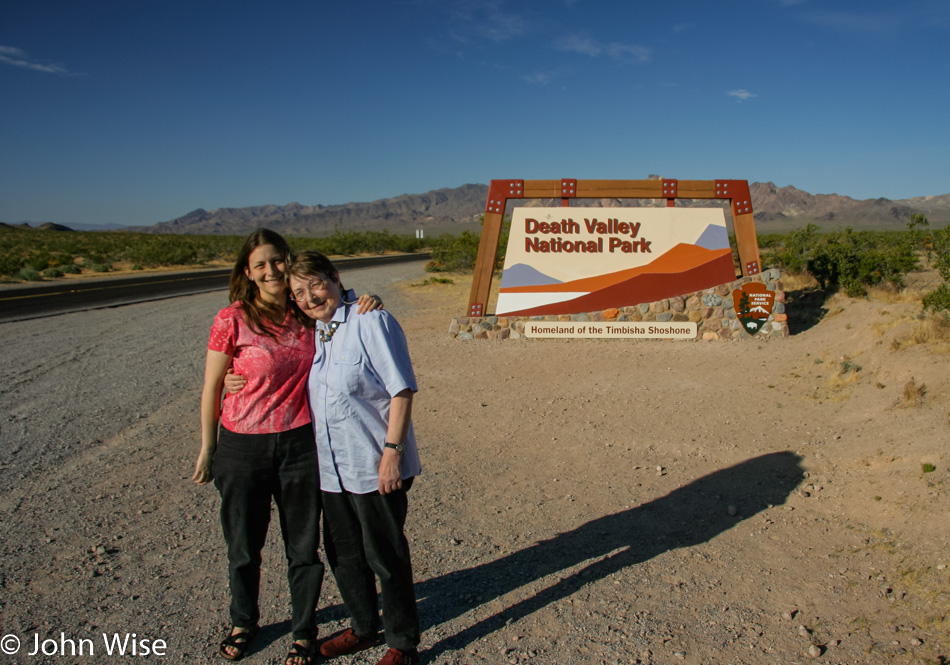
column 363, row 535
column 250, row 469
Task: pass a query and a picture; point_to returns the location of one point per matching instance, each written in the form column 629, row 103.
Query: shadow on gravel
column 687, row 516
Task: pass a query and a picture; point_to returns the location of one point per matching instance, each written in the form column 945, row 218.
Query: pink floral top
column 275, row 397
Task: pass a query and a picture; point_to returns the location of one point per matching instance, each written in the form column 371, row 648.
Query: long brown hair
column 260, row 317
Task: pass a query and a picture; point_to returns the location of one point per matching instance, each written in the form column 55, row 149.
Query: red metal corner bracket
column 500, row 191
column 568, row 188
column 738, row 191
column 476, row 309
column 752, row 268
column 669, row 189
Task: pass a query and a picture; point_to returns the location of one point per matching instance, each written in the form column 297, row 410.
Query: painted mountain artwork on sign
column 557, row 264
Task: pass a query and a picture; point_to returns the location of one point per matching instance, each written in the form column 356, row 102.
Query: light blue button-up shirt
column 353, row 379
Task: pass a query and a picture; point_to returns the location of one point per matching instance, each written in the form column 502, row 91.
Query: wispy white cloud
column 538, row 78
column 741, row 95
column 548, row 76
column 628, row 52
column 579, row 44
column 586, row 45
column 18, row 58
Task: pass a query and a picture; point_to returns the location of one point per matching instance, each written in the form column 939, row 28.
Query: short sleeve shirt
column 353, row 379
column 275, row 397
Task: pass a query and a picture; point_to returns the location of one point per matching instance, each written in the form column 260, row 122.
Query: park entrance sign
column 500, row 192
column 570, row 260
column 623, row 272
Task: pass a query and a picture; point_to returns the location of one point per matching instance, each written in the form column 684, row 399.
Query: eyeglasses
column 314, row 285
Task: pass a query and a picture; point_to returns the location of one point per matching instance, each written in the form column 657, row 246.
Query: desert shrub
column 854, row 261
column 50, row 273
column 936, row 246
column 39, row 259
column 847, row 260
column 100, row 267
column 459, row 252
column 136, row 266
column 10, row 264
column 346, row 243
column 29, row 275
column 42, row 249
column 796, row 249
column 454, row 253
column 938, row 300
column 72, row 269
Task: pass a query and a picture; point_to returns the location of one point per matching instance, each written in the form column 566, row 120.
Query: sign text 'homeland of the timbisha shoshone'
column 573, row 260
column 622, row 329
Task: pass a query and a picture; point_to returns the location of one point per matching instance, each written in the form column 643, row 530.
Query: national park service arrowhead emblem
column 753, row 306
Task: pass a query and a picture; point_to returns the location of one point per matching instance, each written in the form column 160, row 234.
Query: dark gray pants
column 363, row 536
column 250, row 469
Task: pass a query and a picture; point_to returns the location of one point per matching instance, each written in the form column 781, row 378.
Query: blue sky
column 139, row 111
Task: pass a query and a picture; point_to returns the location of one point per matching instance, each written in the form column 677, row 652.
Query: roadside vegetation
column 863, row 263
column 34, row 255
column 857, row 263
column 457, row 253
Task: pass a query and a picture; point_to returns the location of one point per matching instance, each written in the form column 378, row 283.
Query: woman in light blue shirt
column 360, row 388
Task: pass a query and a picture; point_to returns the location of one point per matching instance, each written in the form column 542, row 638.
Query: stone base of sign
column 712, row 310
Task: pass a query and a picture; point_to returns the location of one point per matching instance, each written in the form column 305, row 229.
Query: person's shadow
column 686, row 516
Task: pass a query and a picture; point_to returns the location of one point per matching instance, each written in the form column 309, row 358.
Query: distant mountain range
column 776, row 209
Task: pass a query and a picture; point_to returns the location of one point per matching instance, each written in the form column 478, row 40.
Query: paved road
column 31, row 302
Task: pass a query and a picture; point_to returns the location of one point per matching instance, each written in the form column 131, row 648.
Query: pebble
column 732, row 511
column 804, row 632
column 789, row 615
column 814, row 651
column 680, row 654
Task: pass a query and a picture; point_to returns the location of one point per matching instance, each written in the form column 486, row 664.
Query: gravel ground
column 583, row 502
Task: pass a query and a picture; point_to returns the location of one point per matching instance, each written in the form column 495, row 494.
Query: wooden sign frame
column 500, row 191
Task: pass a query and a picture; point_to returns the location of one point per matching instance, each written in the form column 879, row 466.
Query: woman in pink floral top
column 264, row 447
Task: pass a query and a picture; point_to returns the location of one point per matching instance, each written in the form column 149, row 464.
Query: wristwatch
column 400, row 448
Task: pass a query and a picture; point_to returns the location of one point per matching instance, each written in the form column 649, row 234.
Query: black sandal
column 239, row 642
column 307, row 653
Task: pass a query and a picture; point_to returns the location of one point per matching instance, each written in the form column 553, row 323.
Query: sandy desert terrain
column 583, row 502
